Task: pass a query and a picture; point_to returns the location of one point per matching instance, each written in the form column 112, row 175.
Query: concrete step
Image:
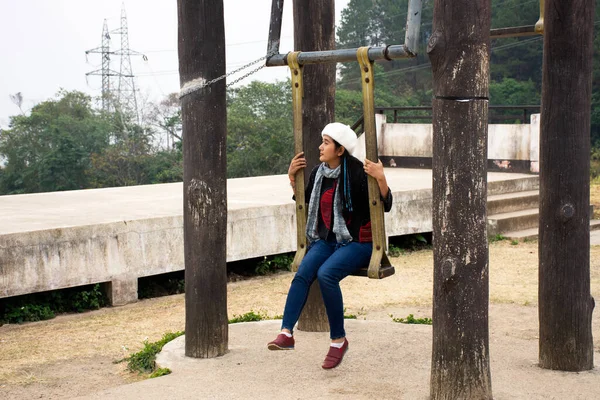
column 523, row 184
column 509, row 202
column 532, row 233
column 512, row 221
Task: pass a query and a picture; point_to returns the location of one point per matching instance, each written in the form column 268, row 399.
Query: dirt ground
column 73, row 355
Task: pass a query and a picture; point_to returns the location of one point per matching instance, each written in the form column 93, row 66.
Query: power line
column 227, row 45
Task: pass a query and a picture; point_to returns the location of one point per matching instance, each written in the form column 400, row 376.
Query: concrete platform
column 52, row 241
column 385, row 360
column 43, row 211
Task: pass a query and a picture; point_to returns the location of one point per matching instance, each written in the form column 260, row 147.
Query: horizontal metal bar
column 516, row 31
column 392, row 52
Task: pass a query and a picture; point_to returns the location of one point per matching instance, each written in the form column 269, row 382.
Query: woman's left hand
column 374, row 169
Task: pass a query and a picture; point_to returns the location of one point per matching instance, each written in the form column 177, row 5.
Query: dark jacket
column 359, row 220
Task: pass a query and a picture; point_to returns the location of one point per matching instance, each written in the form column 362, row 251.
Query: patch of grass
column 254, row 316
column 250, row 316
column 144, row 361
column 412, row 320
column 349, row 316
column 514, row 242
column 496, row 238
column 160, row 372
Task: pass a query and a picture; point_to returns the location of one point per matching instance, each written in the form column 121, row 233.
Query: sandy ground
column 73, row 355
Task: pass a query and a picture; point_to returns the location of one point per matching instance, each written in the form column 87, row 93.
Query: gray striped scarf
column 339, row 224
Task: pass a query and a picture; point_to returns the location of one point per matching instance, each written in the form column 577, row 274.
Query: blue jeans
column 329, row 263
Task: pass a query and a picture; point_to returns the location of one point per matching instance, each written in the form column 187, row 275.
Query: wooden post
column 565, row 301
column 314, row 29
column 459, row 53
column 204, row 117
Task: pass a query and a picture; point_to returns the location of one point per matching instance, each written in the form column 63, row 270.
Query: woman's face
column 328, row 153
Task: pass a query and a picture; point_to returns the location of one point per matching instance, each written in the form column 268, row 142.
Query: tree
column 51, row 148
column 259, row 122
column 510, row 91
column 166, row 116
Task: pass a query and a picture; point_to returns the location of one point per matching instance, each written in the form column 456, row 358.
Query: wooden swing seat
column 384, row 271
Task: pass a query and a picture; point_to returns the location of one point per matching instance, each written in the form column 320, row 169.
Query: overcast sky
column 44, row 42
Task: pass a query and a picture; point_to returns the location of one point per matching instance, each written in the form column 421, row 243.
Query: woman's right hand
column 298, row 162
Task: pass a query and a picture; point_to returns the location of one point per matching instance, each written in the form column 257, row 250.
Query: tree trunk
column 565, row 301
column 459, row 52
column 202, row 56
column 314, row 29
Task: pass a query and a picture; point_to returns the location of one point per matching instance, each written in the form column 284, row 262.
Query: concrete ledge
column 58, row 240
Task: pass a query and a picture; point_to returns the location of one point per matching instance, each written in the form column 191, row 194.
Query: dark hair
column 345, row 175
column 338, row 145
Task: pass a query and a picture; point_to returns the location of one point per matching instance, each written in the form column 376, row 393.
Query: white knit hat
column 342, row 134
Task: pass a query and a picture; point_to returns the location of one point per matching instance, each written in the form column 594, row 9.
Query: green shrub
column 412, row 320
column 27, row 313
column 271, row 264
column 395, row 251
column 43, row 306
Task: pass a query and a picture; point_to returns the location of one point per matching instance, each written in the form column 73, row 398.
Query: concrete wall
column 506, row 143
column 122, row 252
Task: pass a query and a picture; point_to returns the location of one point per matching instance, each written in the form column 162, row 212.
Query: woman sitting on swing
column 338, row 230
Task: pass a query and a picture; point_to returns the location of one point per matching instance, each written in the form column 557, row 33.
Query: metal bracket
column 539, row 26
column 297, row 95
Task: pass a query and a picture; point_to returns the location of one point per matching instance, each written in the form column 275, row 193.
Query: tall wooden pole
column 204, row 116
column 565, row 301
column 459, row 52
column 314, row 29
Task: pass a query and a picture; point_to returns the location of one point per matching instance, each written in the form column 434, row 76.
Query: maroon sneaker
column 335, row 355
column 282, row 342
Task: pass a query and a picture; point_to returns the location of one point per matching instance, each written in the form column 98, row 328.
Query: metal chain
column 247, row 75
column 195, row 87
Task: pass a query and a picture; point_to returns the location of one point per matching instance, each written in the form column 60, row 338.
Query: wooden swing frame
column 379, row 265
